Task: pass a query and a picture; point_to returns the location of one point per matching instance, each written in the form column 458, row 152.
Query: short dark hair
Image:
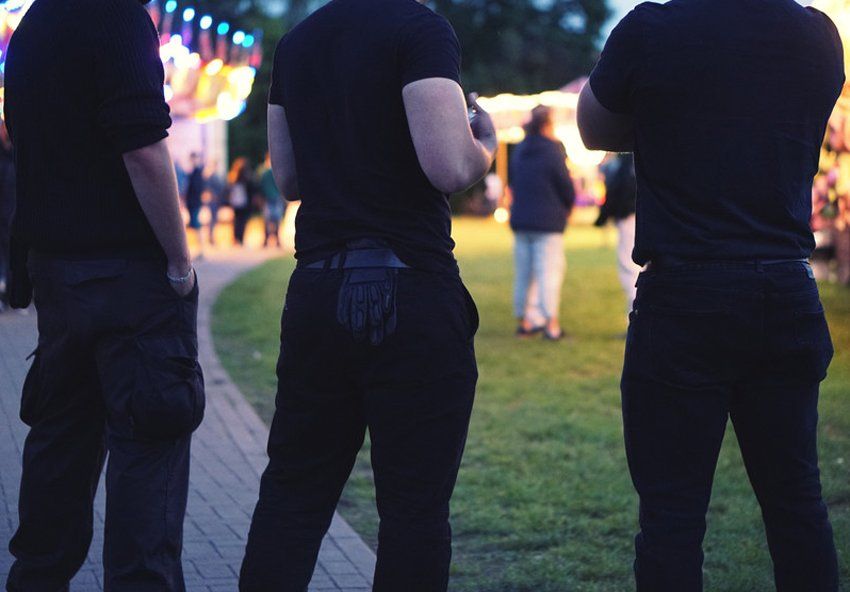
column 541, row 117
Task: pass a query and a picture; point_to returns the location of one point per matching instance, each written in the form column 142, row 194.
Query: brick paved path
column 228, row 455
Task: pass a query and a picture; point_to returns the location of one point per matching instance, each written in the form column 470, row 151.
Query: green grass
column 544, row 502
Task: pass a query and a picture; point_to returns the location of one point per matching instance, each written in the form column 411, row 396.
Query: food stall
column 510, row 112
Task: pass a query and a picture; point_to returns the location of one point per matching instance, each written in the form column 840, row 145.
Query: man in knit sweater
column 98, row 234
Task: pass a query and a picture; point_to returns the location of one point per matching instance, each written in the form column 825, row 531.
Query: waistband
column 678, row 264
column 35, row 255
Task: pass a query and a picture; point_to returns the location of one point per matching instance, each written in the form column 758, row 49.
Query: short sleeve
column 428, row 48
column 276, row 86
column 613, row 79
column 129, row 76
column 837, row 47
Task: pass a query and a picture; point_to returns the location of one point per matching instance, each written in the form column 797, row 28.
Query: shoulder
column 119, row 20
column 418, row 19
column 824, row 24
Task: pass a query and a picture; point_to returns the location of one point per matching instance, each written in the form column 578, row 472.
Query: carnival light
column 248, row 41
column 188, row 14
column 206, row 22
column 238, row 37
column 223, row 28
column 171, row 6
column 214, row 67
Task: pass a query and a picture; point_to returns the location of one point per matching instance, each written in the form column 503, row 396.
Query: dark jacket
column 543, row 192
column 620, row 190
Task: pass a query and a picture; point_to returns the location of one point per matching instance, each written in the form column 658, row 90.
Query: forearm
column 479, row 162
column 152, row 174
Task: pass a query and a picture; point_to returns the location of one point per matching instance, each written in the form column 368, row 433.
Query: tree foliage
column 525, row 46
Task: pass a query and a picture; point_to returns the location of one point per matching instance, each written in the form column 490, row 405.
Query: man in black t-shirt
column 368, row 128
column 98, row 232
column 725, row 104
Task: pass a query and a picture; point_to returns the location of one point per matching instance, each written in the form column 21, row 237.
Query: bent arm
column 282, row 154
column 602, row 129
column 452, row 158
column 152, row 174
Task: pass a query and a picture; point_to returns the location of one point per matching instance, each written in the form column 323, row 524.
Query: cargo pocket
column 32, row 395
column 168, row 400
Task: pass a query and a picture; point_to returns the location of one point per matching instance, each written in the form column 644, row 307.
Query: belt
column 359, row 259
column 663, row 263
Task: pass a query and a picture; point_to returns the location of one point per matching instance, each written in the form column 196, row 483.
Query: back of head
column 541, row 119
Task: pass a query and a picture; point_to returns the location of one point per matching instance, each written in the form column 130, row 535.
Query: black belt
column 665, row 263
column 359, row 259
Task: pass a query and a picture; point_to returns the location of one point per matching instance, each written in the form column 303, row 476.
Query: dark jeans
column 707, row 343
column 115, row 370
column 241, row 217
column 413, row 392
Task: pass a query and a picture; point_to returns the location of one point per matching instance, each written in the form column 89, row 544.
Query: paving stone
column 228, row 456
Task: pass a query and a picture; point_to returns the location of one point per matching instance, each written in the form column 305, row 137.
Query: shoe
column 522, row 332
column 553, row 336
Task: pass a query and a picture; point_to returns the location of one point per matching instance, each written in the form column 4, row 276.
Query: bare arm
column 282, row 154
column 453, row 154
column 152, row 174
column 602, row 129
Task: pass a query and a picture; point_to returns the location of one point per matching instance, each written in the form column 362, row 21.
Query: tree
column 525, row 46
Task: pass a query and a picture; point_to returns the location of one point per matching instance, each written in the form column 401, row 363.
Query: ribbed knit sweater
column 84, row 84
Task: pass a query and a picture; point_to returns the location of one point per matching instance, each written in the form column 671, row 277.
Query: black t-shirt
column 339, row 75
column 84, row 84
column 731, row 99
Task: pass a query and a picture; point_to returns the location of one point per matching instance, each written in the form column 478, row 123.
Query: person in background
column 194, row 197
column 378, row 329
column 240, row 189
column 619, row 206
column 7, row 210
column 273, row 203
column 101, row 247
column 542, row 197
column 214, row 196
column 725, row 104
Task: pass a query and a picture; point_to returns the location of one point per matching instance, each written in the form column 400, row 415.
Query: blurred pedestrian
column 240, row 190
column 725, row 104
column 195, row 186
column 216, row 189
column 542, row 195
column 273, row 203
column 378, row 327
column 7, row 210
column 100, row 242
column 620, row 206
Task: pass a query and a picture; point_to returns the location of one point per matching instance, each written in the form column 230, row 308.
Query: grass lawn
column 544, row 502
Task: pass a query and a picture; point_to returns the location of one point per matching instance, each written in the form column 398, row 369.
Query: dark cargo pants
column 115, row 371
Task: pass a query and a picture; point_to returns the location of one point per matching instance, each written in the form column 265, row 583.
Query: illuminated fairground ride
column 209, row 65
